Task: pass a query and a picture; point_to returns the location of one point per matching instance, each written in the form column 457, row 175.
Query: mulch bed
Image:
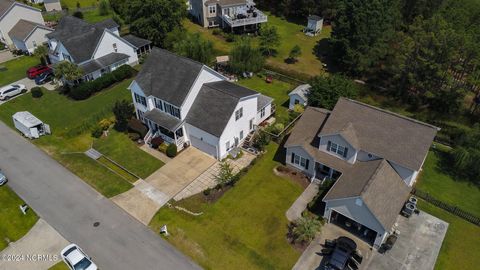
column 294, row 175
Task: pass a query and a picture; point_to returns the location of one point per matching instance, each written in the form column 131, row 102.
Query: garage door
column 204, row 146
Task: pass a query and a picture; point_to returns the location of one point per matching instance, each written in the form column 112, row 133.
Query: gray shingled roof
column 168, row 76
column 381, row 188
column 163, row 119
column 107, row 23
column 301, row 90
column 104, row 61
column 136, row 41
column 315, row 17
column 263, row 101
column 5, row 5
column 24, row 28
column 397, row 138
column 215, row 105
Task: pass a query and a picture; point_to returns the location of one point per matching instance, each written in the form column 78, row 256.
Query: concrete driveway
column 6, row 56
column 42, row 240
column 29, row 84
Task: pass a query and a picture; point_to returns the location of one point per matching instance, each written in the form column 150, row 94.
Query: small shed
column 29, row 125
column 299, row 96
column 52, row 5
column 314, row 25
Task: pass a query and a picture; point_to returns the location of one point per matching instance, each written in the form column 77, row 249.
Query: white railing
column 233, row 22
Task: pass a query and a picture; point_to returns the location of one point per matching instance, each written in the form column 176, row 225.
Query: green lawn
column 16, row 69
column 461, row 245
column 444, row 187
column 59, row 266
column 13, row 224
column 71, row 123
column 72, row 4
column 118, row 147
column 92, row 16
column 245, row 229
column 277, row 90
column 290, row 35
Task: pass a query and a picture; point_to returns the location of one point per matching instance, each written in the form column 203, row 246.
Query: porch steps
column 93, row 154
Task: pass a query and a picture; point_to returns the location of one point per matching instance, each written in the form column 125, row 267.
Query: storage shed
column 29, row 125
column 314, row 25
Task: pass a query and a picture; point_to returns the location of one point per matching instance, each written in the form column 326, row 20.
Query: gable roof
column 381, row 188
column 397, row 138
column 301, row 90
column 5, row 6
column 24, row 28
column 136, row 41
column 101, row 62
column 168, row 76
column 215, row 105
column 107, row 23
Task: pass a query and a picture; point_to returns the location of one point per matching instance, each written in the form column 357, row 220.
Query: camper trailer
column 29, row 125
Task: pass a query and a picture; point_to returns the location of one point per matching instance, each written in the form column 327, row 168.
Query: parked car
column 45, row 77
column 3, row 178
column 35, row 71
column 76, row 259
column 11, row 91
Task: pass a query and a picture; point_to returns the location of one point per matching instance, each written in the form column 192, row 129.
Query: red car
column 35, row 71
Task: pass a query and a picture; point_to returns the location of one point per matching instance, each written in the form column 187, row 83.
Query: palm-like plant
column 42, row 52
column 305, row 229
column 67, row 71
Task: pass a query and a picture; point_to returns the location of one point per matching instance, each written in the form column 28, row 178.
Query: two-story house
column 96, row 48
column 231, row 14
column 187, row 103
column 373, row 155
column 22, row 26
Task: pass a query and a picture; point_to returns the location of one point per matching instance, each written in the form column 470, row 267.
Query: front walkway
column 207, row 179
column 295, row 211
column 42, row 240
column 155, row 153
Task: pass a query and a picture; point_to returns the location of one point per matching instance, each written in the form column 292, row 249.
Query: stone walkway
column 295, row 211
column 39, row 249
column 207, row 179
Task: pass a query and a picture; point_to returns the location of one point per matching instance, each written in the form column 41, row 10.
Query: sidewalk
column 295, row 211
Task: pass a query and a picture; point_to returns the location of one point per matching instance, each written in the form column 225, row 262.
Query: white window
column 241, row 134
column 338, row 149
column 238, row 114
column 333, row 147
column 212, row 9
column 300, row 161
column 140, row 99
column 227, row 145
column 262, row 113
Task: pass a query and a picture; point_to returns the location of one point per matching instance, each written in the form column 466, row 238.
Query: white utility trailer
column 30, row 126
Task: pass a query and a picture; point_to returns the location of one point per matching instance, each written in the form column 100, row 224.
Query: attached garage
column 356, row 228
column 203, row 146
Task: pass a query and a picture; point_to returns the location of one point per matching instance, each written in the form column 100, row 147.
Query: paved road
column 71, row 207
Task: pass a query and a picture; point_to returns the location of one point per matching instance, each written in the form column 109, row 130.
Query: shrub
column 123, row 111
column 134, row 136
column 216, row 32
column 261, row 140
column 97, row 132
column 137, row 126
column 79, row 93
column 105, row 123
column 156, row 142
column 163, row 148
column 171, row 150
column 37, row 92
column 305, row 229
column 78, row 14
column 277, row 128
column 230, row 37
column 207, row 191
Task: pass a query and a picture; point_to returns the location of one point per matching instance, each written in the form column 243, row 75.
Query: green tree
column 295, row 52
column 154, row 19
column 269, row 39
column 326, row 91
column 103, row 7
column 78, row 14
column 225, row 175
column 67, row 71
column 123, row 111
column 42, row 52
column 245, row 57
column 195, row 47
column 305, row 229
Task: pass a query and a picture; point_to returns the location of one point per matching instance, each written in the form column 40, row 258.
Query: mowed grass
column 92, row 16
column 444, row 186
column 16, row 69
column 71, row 123
column 13, row 223
column 59, row 266
column 118, row 147
column 72, row 4
column 461, row 245
column 245, row 229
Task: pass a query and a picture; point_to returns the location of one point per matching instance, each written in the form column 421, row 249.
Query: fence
column 283, row 77
column 279, row 137
column 447, row 207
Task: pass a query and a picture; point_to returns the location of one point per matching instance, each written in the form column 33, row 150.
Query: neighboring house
column 299, row 96
column 52, row 5
column 232, row 14
column 27, row 35
column 96, row 48
column 187, row 103
column 15, row 15
column 374, row 155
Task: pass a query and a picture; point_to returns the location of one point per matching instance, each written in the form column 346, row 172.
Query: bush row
column 86, row 89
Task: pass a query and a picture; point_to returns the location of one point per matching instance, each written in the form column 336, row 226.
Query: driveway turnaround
column 113, row 238
column 39, row 249
column 29, row 84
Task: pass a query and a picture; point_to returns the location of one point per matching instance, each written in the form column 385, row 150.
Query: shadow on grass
column 324, row 52
column 445, row 165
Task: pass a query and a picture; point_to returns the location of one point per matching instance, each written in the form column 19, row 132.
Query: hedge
column 37, row 92
column 86, row 89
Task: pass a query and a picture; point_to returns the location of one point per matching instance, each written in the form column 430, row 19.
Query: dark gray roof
column 24, row 28
column 263, row 101
column 5, row 5
column 168, row 76
column 396, row 138
column 381, row 188
column 104, row 61
column 107, row 23
column 315, row 17
column 136, row 41
column 215, row 105
column 163, row 119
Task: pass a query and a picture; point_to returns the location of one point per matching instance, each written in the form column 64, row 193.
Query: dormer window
column 337, row 149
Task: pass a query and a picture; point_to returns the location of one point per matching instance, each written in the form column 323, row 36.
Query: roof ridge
column 211, row 85
column 374, row 174
column 179, row 56
column 391, row 113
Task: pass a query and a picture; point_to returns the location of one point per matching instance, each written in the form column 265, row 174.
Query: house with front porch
column 187, row 103
column 96, row 48
column 373, row 155
column 228, row 14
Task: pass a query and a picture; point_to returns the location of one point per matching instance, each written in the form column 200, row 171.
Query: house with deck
column 187, row 103
column 228, row 14
column 373, row 155
column 96, row 48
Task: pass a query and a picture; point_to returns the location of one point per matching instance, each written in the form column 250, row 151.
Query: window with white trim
column 212, row 9
column 336, row 148
column 300, row 161
column 227, row 145
column 262, row 112
column 238, row 114
column 140, row 99
column 241, row 134
column 115, row 47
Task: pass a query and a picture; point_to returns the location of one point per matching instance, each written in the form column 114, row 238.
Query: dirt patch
column 292, row 174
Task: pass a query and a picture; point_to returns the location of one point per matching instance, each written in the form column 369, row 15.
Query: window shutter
column 329, row 144
column 345, row 153
column 293, row 157
column 306, row 164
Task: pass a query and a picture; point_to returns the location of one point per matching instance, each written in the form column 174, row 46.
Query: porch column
column 330, row 173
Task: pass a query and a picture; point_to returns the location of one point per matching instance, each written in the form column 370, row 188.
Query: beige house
column 52, row 5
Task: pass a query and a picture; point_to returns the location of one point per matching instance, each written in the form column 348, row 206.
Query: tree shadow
column 281, row 151
column 323, row 50
column 445, row 165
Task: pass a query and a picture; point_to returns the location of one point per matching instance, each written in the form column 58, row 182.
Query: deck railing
column 234, row 22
